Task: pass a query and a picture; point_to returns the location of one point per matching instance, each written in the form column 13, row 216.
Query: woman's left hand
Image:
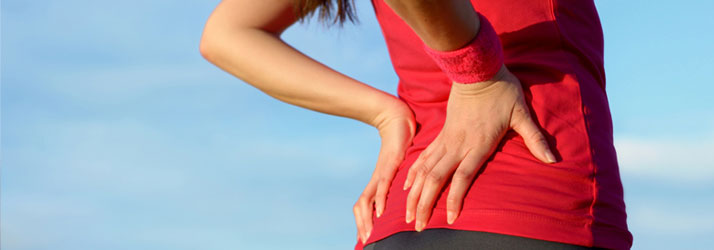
column 396, row 126
column 478, row 115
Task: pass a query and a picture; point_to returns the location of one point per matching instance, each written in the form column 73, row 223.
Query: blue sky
column 117, row 134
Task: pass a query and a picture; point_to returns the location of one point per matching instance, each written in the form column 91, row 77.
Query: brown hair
column 303, row 9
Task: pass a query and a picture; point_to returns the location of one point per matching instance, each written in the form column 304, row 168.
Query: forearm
column 441, row 24
column 263, row 60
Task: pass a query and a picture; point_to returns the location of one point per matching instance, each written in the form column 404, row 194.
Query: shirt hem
column 514, row 223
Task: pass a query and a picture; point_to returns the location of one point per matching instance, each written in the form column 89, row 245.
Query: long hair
column 306, row 8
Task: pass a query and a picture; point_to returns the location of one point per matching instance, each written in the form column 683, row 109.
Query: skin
column 242, row 37
column 478, row 115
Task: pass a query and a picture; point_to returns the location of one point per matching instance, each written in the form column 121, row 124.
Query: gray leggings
column 442, row 238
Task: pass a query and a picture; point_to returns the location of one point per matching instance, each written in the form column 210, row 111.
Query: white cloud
column 667, row 159
column 667, row 222
column 668, row 219
column 327, row 155
column 127, row 82
column 157, row 188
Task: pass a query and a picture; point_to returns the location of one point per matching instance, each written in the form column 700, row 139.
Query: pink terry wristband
column 477, row 61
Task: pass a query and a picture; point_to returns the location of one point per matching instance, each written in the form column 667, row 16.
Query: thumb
column 532, row 136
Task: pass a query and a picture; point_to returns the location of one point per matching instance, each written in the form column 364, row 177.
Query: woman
column 514, row 152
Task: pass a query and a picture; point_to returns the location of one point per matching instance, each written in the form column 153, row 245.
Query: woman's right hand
column 396, row 126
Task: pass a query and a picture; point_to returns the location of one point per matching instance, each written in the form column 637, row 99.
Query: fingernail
column 409, row 217
column 450, row 217
column 368, row 234
column 379, row 213
column 549, row 156
column 419, row 226
column 405, row 186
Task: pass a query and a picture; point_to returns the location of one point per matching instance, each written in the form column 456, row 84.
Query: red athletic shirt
column 555, row 48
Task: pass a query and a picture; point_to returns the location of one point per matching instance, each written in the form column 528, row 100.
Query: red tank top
column 555, row 47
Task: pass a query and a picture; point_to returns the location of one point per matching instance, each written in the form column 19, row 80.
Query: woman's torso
column 556, row 49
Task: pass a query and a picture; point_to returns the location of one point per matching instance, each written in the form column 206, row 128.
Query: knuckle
column 422, row 156
column 434, row 176
column 491, row 138
column 421, row 207
column 427, row 151
column 383, row 180
column 412, row 196
column 461, row 174
column 481, row 138
column 411, row 173
column 362, row 200
column 536, row 137
column 380, row 198
column 422, row 169
column 452, row 200
column 523, row 111
column 459, row 137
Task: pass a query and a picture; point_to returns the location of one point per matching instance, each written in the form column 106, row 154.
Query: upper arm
column 441, row 24
column 273, row 16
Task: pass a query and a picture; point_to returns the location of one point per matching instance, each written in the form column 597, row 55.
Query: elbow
column 206, row 49
column 209, row 43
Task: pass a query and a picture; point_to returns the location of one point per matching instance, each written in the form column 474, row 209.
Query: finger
column 383, row 180
column 367, row 220
column 381, row 197
column 358, row 220
column 366, row 216
column 415, row 192
column 388, row 159
column 412, row 171
column 363, row 211
column 460, row 182
column 532, row 136
column 427, row 159
column 413, row 197
column 383, row 184
column 433, row 182
column 411, row 174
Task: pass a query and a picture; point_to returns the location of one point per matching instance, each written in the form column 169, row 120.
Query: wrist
column 477, row 61
column 391, row 110
column 481, row 86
